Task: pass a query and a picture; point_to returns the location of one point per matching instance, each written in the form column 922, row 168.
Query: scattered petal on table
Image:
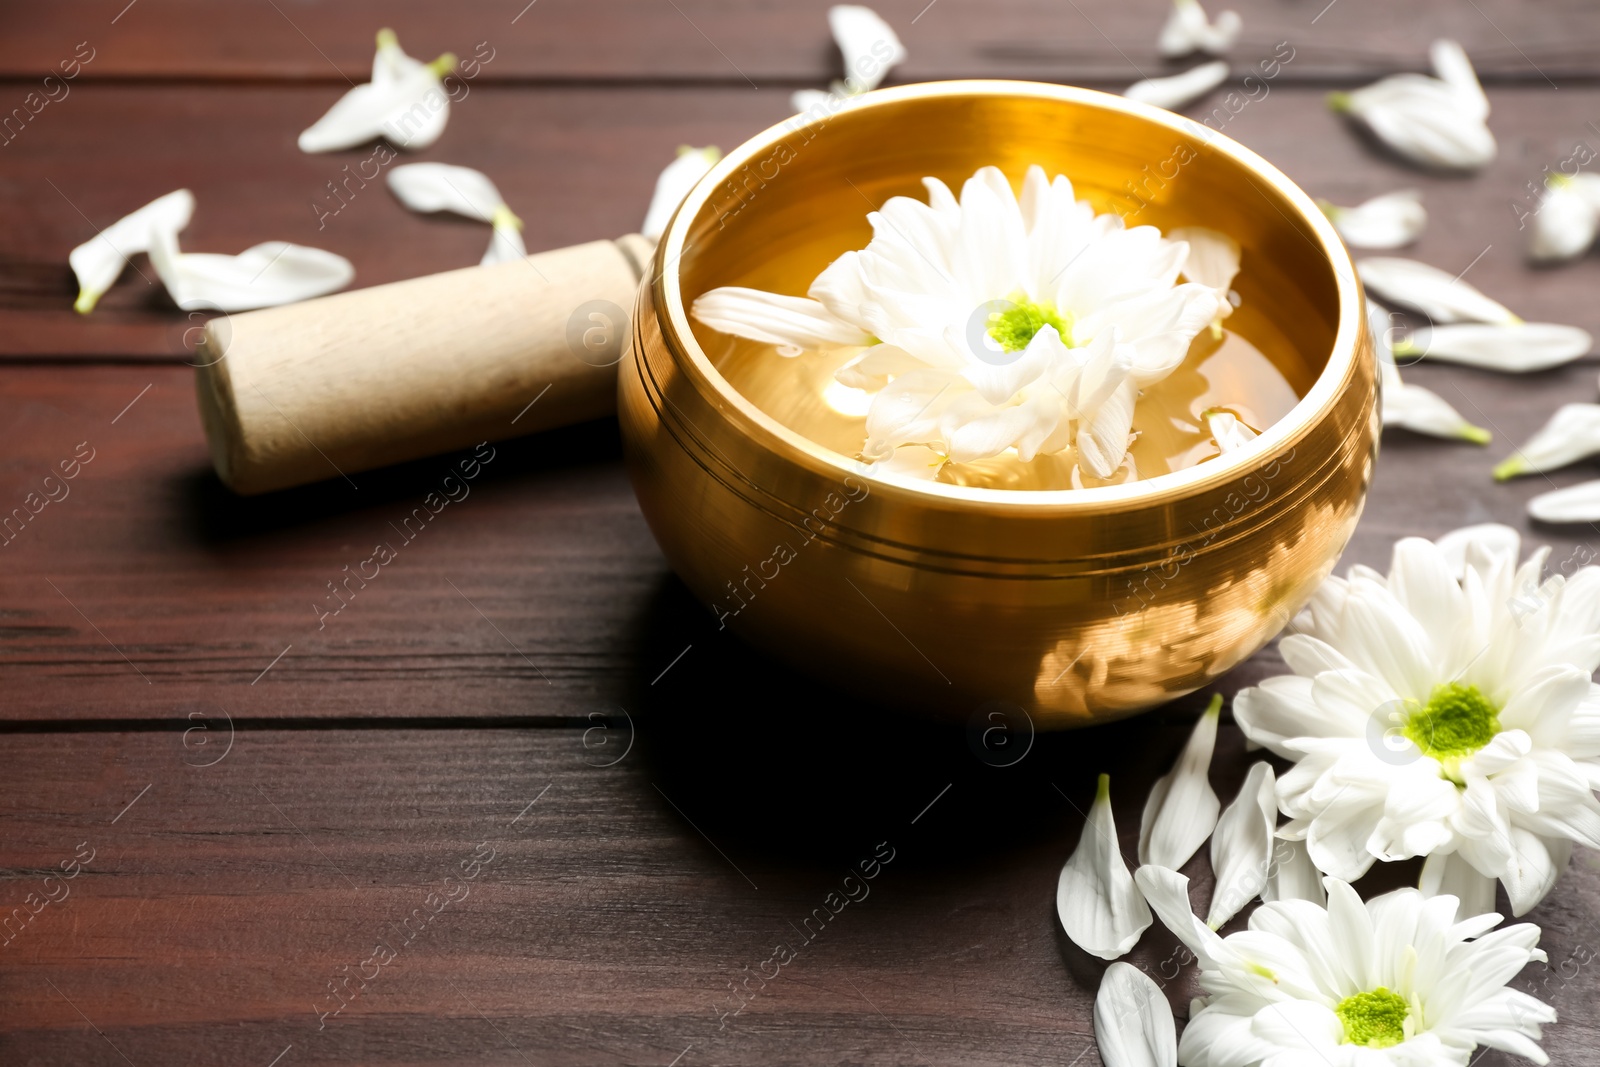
column 1100, row 908
column 1133, row 1024
column 1515, row 348
column 100, row 260
column 1392, row 220
column 1188, row 30
column 1442, row 297
column 1241, row 847
column 1576, row 503
column 674, row 184
column 1179, row 90
column 463, row 191
column 1568, row 216
column 1438, row 122
column 870, row 49
column 1572, row 433
column 1182, row 808
column 1293, row 876
column 405, row 104
column 1411, row 407
column 264, row 276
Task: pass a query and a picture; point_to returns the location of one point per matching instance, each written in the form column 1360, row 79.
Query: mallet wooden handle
column 376, row 376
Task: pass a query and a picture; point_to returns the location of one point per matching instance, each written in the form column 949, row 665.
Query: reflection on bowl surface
column 1075, row 604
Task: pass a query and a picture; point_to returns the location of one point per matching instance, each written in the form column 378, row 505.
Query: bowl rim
column 1213, row 474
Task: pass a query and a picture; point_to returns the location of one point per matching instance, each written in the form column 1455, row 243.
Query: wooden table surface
column 632, row 811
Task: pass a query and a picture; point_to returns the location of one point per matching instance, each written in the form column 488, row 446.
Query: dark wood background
column 265, row 798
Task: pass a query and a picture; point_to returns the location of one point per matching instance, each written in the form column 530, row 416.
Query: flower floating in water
column 99, row 261
column 1438, row 122
column 870, row 49
column 1179, row 90
column 1392, row 220
column 1213, row 261
column 1393, row 982
column 1447, row 709
column 992, row 323
column 429, row 187
column 1188, row 30
column 264, row 276
column 405, row 103
column 1227, row 431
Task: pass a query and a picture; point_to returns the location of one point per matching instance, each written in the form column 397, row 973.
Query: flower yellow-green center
column 1455, row 723
column 1376, row 1019
column 1014, row 327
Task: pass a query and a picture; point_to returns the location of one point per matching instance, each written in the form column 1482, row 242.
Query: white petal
column 1179, row 90
column 1451, row 64
column 1213, row 256
column 1241, row 848
column 1565, row 223
column 505, row 243
column 1133, row 1023
column 674, row 184
column 430, row 187
column 867, row 43
column 1411, row 407
column 1227, row 431
column 405, row 104
column 1442, row 297
column 804, row 100
column 1576, row 503
column 1388, row 221
column 263, row 276
column 1100, row 908
column 1167, row 893
column 792, row 323
column 1182, row 808
column 1449, row 874
column 1485, row 541
column 1427, row 120
column 1572, row 433
column 98, row 261
column 1523, row 346
column 1293, row 876
column 1187, row 30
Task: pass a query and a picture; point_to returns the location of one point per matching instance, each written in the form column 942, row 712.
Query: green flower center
column 1014, row 327
column 1455, row 723
column 1376, row 1019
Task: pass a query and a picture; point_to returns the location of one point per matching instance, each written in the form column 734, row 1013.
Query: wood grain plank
column 744, row 43
column 580, row 163
column 151, row 592
column 613, row 905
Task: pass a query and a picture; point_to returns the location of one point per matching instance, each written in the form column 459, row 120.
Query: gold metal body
column 1080, row 605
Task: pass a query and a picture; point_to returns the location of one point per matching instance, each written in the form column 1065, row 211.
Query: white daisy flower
column 1438, row 122
column 1393, row 982
column 1188, row 29
column 1392, row 220
column 1445, row 708
column 991, row 323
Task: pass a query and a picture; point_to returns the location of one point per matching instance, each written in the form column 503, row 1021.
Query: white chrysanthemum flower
column 1392, row 220
column 1438, row 122
column 1393, row 982
column 992, row 323
column 1445, row 708
column 1188, row 29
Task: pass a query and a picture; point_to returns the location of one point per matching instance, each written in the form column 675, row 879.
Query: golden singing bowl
column 1079, row 605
